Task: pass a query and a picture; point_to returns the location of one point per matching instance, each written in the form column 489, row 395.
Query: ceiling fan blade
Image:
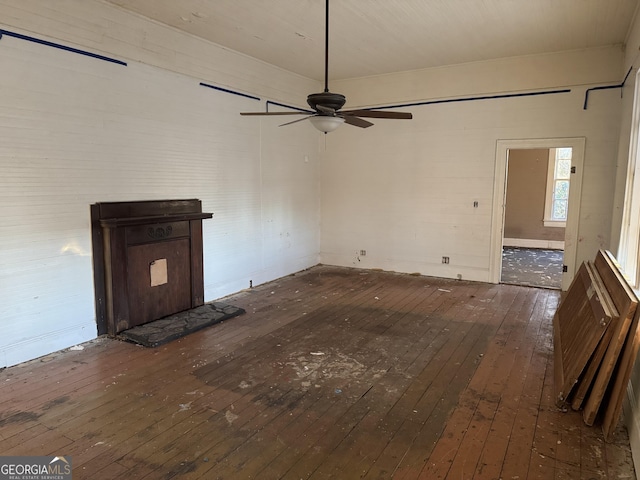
column 277, row 113
column 356, row 122
column 296, row 121
column 378, row 114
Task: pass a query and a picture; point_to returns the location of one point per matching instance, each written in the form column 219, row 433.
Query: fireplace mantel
column 147, row 258
column 123, row 222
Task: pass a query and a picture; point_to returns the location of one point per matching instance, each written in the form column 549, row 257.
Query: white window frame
column 548, row 199
column 629, row 247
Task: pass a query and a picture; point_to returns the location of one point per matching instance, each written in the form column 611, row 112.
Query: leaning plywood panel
column 586, row 380
column 626, row 302
column 618, row 387
column 578, row 325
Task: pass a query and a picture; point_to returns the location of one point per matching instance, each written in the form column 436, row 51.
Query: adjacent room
column 365, row 215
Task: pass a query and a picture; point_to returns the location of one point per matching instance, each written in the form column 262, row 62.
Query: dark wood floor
column 331, row 374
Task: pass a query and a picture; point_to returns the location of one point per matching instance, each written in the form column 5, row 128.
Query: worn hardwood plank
column 462, row 427
column 418, row 409
column 496, row 390
column 339, row 373
column 503, row 387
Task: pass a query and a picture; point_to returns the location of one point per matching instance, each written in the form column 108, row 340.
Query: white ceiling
column 373, row 37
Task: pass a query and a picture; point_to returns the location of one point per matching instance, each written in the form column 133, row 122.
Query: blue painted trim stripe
column 61, row 47
column 269, row 102
column 230, row 91
column 469, row 99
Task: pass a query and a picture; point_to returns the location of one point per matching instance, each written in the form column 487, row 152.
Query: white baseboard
column 50, row 342
column 532, row 243
column 453, row 271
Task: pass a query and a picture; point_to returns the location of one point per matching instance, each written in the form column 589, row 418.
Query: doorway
column 532, row 244
column 536, row 202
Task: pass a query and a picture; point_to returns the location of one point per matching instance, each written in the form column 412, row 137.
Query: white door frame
column 499, row 201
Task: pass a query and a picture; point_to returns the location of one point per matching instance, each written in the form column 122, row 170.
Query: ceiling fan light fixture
column 326, row 123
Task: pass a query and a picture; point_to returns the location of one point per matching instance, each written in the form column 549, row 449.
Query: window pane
column 563, row 168
column 561, row 191
column 563, row 153
column 557, row 199
column 559, row 210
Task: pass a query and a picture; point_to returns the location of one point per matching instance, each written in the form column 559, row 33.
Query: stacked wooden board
column 596, row 342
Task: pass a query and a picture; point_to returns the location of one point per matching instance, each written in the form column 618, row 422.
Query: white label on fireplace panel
column 158, row 271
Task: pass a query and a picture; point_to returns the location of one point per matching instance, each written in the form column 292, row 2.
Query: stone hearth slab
column 178, row 325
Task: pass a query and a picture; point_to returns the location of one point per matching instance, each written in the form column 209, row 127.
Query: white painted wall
column 76, row 130
column 404, row 190
column 504, row 75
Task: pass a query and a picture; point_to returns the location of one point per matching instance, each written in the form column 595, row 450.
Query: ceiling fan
column 326, row 115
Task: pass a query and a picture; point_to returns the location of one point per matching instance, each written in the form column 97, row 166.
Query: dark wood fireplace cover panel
column 127, row 238
column 149, row 302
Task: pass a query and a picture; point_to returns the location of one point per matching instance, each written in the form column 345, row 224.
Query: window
column 629, row 247
column 558, row 179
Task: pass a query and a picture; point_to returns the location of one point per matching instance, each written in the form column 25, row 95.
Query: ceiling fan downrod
column 326, row 48
column 326, row 103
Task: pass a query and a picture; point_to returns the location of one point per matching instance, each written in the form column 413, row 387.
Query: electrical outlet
column 363, row 253
column 445, row 259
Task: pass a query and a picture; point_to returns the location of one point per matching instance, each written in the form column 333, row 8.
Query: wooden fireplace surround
column 129, row 238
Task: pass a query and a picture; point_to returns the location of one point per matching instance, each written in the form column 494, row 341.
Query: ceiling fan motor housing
column 334, row 101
